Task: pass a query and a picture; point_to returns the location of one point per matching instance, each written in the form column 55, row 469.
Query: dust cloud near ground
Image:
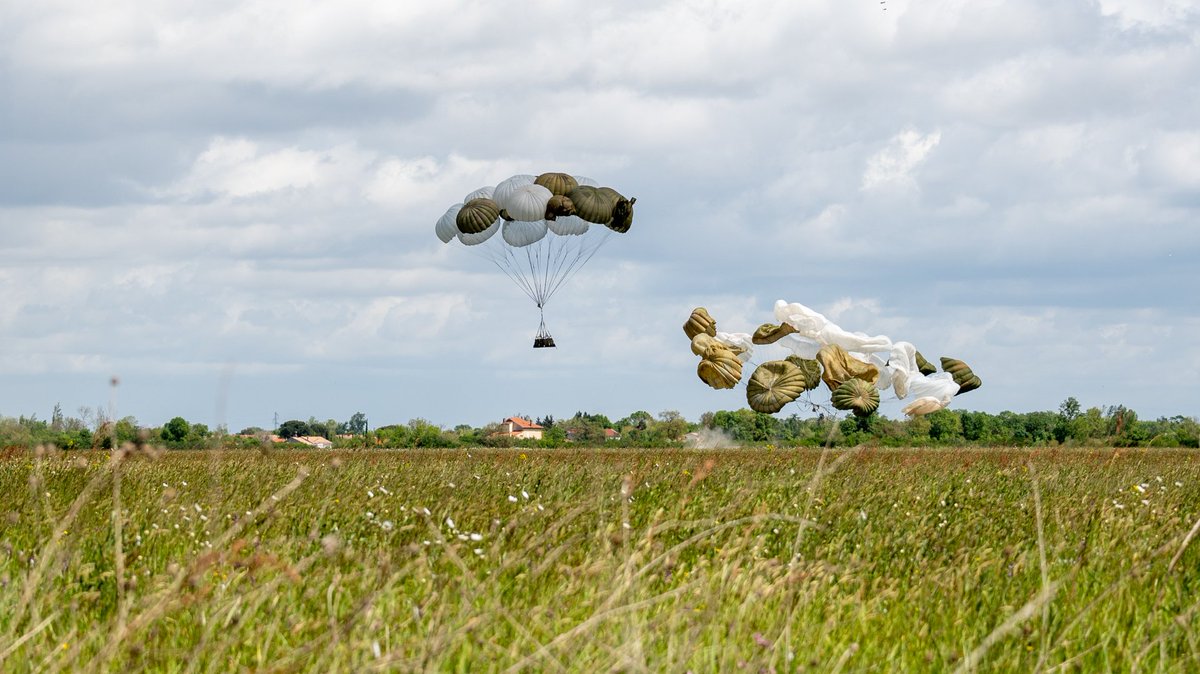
column 709, row 438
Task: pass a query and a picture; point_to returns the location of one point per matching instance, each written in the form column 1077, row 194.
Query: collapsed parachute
column 545, row 225
column 855, row 367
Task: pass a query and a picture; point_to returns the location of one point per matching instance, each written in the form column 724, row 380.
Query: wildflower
column 450, row 523
column 451, row 485
column 370, row 494
column 761, row 640
column 370, row 514
column 512, row 499
column 479, row 551
column 476, row 537
column 523, row 457
column 387, row 525
column 525, row 494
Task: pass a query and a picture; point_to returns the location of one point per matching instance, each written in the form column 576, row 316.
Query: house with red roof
column 516, row 427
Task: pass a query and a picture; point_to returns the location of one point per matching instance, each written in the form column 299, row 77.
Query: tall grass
column 731, row 560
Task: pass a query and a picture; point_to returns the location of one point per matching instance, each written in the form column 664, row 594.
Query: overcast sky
column 230, row 205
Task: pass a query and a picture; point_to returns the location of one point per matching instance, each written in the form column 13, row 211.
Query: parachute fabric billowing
column 542, row 242
column 856, row 367
column 856, row 395
column 774, row 384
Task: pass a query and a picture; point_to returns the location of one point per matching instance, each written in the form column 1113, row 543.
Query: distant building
column 314, row 441
column 516, row 427
column 611, row 434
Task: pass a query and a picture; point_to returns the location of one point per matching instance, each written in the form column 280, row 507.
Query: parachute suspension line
column 581, row 258
column 542, row 340
column 502, row 258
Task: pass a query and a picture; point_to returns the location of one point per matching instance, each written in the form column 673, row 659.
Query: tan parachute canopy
column 838, row 367
column 700, row 322
column 769, row 333
column 720, row 367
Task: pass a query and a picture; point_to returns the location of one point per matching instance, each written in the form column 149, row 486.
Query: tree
column 945, row 426
column 357, row 425
column 1069, row 409
column 175, row 430
column 671, row 425
column 294, row 428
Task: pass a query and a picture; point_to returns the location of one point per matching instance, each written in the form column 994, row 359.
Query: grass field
column 704, row 561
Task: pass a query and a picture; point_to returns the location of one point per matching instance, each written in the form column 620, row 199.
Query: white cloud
column 894, row 165
column 256, row 183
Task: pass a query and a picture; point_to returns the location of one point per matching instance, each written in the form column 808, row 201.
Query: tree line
column 1070, row 425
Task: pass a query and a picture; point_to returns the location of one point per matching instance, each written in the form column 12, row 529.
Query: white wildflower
column 512, row 499
column 450, row 523
column 476, row 537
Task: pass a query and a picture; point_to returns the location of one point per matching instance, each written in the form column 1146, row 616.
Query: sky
column 229, row 206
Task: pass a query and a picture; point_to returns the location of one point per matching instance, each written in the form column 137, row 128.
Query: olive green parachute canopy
column 558, row 183
column 856, row 395
column 769, row 333
column 839, row 367
column 700, row 322
column 592, row 205
column 720, row 367
column 774, row 384
column 477, row 215
column 810, row 368
column 559, row 206
column 622, row 215
column 963, row 376
column 924, row 366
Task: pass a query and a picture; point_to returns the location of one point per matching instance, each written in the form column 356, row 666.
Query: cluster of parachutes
column 545, row 225
column 855, row 367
